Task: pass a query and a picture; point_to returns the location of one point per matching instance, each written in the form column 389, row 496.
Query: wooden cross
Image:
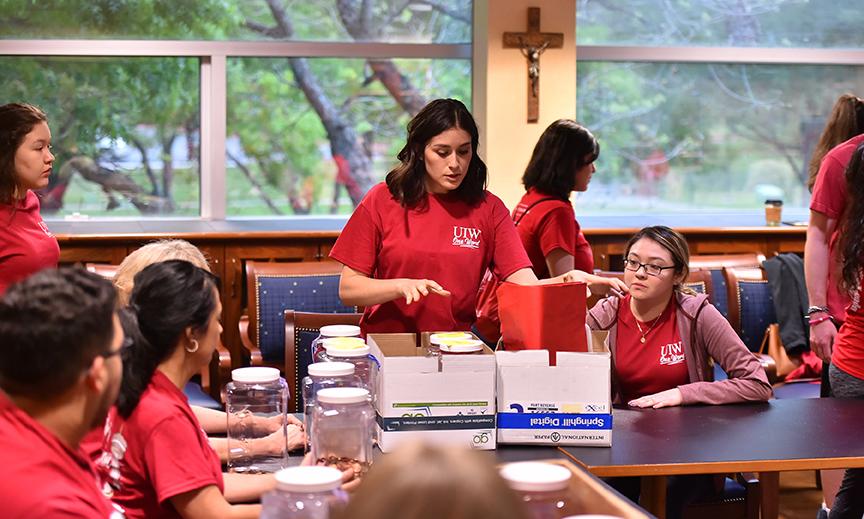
column 533, row 43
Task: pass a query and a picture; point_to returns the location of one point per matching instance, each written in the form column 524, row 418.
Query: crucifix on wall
column 532, row 43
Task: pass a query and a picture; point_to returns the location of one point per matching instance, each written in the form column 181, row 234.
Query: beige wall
column 499, row 95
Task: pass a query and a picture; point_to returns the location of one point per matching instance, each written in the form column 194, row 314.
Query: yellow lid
column 344, row 343
column 461, row 345
column 438, row 338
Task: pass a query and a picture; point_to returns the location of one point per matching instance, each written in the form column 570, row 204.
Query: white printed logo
column 672, row 354
column 467, row 237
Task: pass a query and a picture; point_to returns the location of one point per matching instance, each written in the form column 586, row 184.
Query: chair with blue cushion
column 273, row 288
column 714, row 265
column 301, row 328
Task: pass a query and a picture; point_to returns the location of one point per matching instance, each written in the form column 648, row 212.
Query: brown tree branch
column 257, row 185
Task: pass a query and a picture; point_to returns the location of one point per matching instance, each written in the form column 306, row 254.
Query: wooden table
column 781, row 435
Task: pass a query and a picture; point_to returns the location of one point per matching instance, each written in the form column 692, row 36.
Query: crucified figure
column 533, row 55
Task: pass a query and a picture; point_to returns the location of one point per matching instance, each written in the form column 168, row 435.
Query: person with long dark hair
column 562, row 162
column 26, row 162
column 847, row 359
column 416, row 248
column 156, row 459
column 663, row 338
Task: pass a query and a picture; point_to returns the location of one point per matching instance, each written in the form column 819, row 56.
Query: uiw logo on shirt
column 672, row 354
column 467, row 237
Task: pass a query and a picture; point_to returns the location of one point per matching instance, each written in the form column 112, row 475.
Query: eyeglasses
column 650, row 269
column 127, row 342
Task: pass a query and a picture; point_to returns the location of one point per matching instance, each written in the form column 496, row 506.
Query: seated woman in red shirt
column 417, row 246
column 26, row 244
column 562, row 162
column 662, row 339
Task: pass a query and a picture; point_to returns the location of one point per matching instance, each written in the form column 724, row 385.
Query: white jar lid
column 331, row 369
column 460, row 345
column 535, row 476
column 346, row 347
column 340, row 330
column 436, row 338
column 308, row 479
column 592, row 516
column 257, row 375
column 343, row 395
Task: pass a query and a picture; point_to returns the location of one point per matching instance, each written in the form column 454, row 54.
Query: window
column 700, row 127
column 188, row 108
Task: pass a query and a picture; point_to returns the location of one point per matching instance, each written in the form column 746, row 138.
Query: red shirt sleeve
column 359, row 242
column 829, row 192
column 508, row 254
column 557, row 230
column 177, row 461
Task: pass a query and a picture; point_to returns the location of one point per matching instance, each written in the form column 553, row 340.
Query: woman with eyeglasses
column 663, row 337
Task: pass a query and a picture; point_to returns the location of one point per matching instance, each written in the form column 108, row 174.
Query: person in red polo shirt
column 417, row 246
column 662, row 338
column 60, row 372
column 26, row 161
column 562, row 162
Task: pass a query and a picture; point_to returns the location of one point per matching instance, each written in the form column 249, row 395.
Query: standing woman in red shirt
column 417, row 246
column 847, row 359
column 26, row 244
column 562, row 162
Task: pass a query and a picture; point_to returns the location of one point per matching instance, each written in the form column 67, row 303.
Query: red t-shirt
column 26, row 244
column 848, row 353
column 550, row 225
column 445, row 239
column 158, row 453
column 42, row 477
column 829, row 198
column 658, row 364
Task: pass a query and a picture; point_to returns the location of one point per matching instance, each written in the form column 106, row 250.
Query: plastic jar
column 323, row 375
column 542, row 488
column 773, row 212
column 436, row 339
column 304, row 493
column 355, row 351
column 256, row 401
column 343, row 422
column 330, row 331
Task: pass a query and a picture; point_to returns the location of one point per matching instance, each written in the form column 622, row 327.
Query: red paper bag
column 550, row 317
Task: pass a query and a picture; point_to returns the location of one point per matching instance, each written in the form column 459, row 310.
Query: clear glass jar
column 343, row 421
column 436, row 339
column 330, row 331
column 304, row 493
column 341, row 349
column 323, row 375
column 542, row 488
column 256, row 401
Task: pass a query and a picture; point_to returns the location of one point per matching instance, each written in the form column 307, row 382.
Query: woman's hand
column 668, row 398
column 414, row 289
column 822, row 337
column 598, row 285
column 350, row 479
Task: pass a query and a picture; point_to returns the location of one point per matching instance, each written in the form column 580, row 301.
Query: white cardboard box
column 419, row 399
column 566, row 404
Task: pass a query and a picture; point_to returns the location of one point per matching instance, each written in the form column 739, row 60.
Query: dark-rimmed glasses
column 650, row 269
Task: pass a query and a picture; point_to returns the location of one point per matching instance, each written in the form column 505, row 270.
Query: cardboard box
column 446, row 400
column 567, row 404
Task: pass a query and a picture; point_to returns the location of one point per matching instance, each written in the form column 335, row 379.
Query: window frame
column 213, row 56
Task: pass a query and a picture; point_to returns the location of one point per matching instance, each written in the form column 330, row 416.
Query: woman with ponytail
column 156, row 459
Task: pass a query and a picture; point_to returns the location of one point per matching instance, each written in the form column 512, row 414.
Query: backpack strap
column 528, row 209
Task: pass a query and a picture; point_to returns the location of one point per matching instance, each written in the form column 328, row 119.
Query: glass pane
column 734, row 23
column 687, row 137
column 310, row 136
column 421, row 21
column 106, row 116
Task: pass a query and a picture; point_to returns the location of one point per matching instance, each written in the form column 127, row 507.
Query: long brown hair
column 852, row 222
column 846, row 121
column 407, row 181
column 674, row 242
column 16, row 121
